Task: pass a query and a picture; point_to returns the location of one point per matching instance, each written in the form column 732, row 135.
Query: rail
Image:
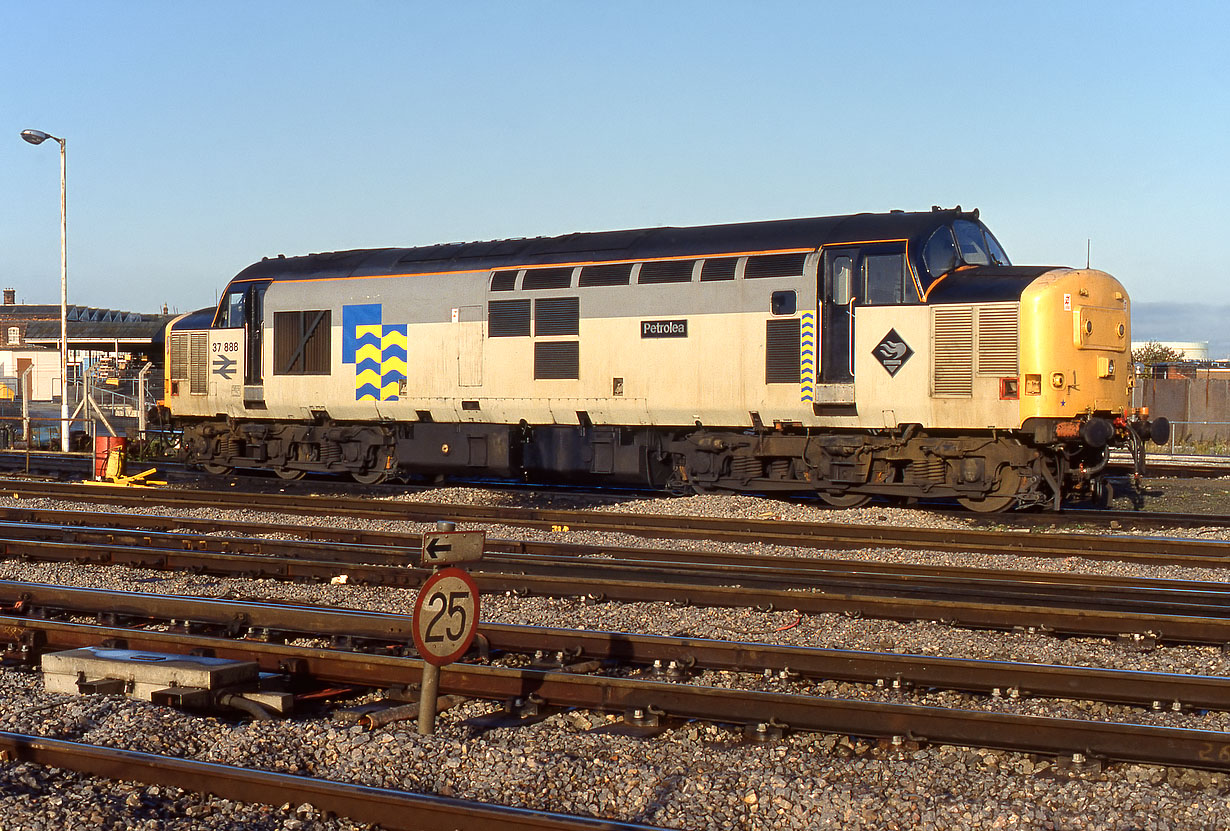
column 389, row 809
column 636, row 698
column 1171, row 611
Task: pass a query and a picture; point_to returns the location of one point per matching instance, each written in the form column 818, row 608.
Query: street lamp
column 38, row 137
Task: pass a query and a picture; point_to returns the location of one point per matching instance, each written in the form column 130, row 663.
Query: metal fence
column 1198, row 409
column 1213, row 443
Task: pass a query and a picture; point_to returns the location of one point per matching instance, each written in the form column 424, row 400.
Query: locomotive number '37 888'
column 891, row 354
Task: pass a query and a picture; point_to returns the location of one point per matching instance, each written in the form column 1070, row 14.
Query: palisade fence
column 1198, row 409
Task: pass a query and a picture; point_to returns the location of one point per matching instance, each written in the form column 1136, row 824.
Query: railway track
column 52, row 467
column 1195, row 553
column 1169, row 610
column 388, row 809
column 767, row 531
column 560, row 655
column 646, row 703
column 562, row 649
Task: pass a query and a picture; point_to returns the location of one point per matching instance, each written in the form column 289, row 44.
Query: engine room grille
column 547, row 278
column 722, row 268
column 997, row 340
column 617, row 274
column 301, row 342
column 952, row 333
column 557, row 359
column 666, row 271
column 504, row 280
column 557, row 316
column 508, row 318
column 774, row 265
column 782, row 342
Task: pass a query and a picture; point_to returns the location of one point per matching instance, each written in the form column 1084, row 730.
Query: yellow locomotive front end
column 1076, row 373
column 1076, row 358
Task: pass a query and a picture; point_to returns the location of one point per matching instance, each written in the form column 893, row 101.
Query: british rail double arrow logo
column 224, row 366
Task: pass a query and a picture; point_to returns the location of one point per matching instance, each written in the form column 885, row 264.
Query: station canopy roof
column 89, row 328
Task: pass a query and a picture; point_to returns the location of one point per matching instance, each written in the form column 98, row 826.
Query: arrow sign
column 442, row 547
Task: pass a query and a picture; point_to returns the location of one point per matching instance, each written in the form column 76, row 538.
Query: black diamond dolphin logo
column 892, row 352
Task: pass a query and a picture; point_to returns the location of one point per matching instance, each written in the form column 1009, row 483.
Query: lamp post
column 38, row 137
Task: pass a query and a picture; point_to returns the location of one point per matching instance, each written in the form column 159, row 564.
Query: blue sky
column 204, row 136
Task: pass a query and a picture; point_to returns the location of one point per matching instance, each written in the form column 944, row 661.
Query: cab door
column 836, row 314
column 241, row 313
column 866, row 274
column 254, row 374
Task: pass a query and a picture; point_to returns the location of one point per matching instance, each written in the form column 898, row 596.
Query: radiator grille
column 782, row 351
column 179, row 357
column 557, row 359
column 997, row 340
column 198, row 363
column 952, row 333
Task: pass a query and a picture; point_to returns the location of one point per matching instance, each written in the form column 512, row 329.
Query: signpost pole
column 428, row 693
column 446, row 611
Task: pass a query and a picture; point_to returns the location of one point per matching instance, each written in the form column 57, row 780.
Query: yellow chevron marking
column 394, row 338
column 369, row 350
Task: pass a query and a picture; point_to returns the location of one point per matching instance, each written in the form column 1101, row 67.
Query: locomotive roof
column 603, row 246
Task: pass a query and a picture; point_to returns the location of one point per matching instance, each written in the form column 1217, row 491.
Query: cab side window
column 883, row 279
column 231, row 309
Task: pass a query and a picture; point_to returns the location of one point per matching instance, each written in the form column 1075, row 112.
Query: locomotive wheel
column 989, row 505
column 289, row 474
column 846, row 500
column 1003, row 497
column 371, row 477
column 217, row 470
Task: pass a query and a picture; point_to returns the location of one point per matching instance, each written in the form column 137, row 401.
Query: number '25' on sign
column 445, row 616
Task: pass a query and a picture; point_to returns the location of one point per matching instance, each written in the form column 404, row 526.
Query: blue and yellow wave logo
column 807, row 357
column 377, row 349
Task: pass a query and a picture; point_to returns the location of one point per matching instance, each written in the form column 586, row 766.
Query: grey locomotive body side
column 793, row 355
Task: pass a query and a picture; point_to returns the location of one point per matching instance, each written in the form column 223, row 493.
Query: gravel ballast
column 693, row 776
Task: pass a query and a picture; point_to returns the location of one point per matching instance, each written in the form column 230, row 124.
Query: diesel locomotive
column 889, row 354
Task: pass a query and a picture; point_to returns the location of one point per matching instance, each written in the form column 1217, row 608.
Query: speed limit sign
column 445, row 616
